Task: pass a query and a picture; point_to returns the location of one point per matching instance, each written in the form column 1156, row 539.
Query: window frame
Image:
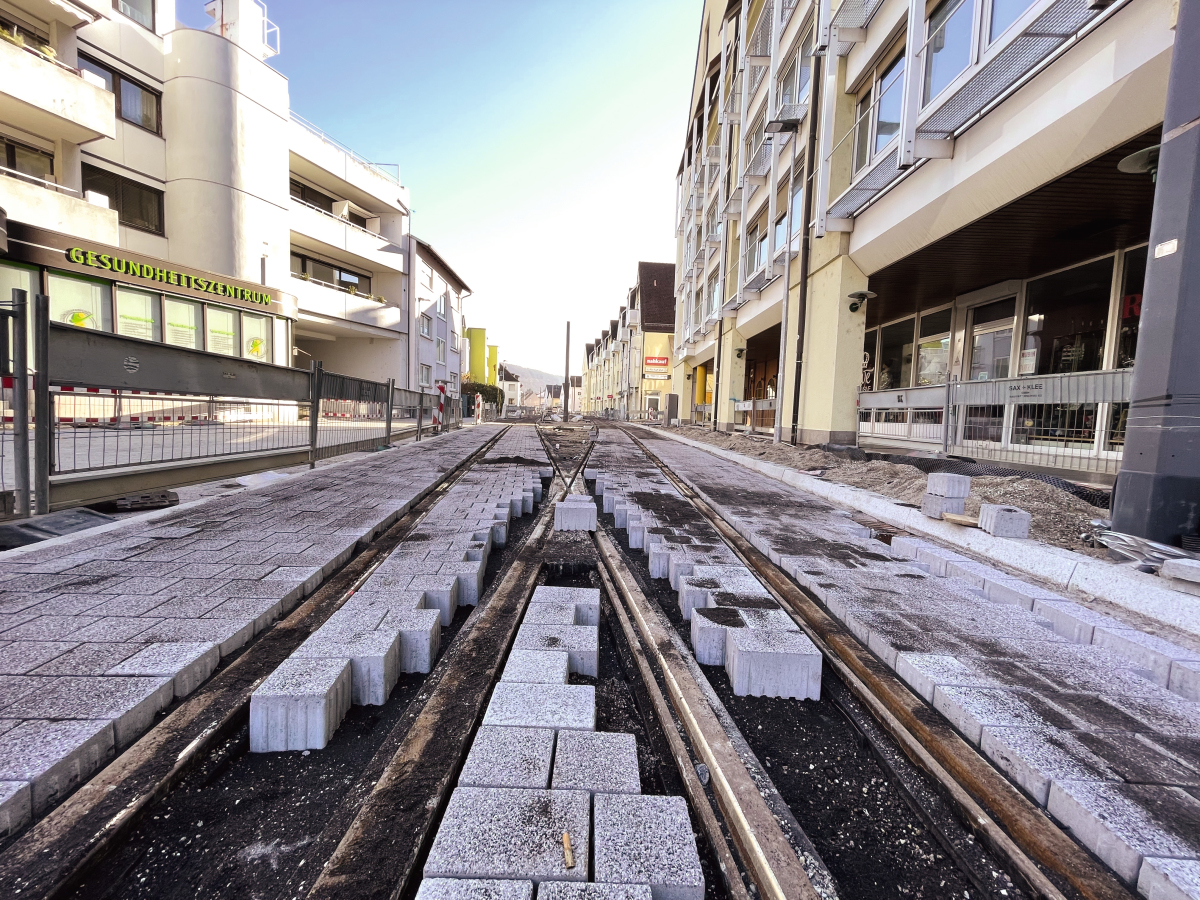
column 122, row 182
column 454, row 341
column 425, row 325
column 440, row 350
column 117, row 77
column 8, row 146
column 441, row 306
column 871, row 93
column 152, row 27
column 791, row 72
column 424, row 375
column 338, row 270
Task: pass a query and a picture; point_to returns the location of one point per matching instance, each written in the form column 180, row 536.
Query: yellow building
column 477, row 337
column 493, row 360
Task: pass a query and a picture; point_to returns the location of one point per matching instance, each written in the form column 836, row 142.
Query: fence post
column 42, row 414
column 20, row 402
column 314, row 412
column 420, row 411
column 387, row 433
column 946, row 419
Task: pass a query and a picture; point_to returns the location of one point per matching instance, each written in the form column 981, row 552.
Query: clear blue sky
column 539, row 140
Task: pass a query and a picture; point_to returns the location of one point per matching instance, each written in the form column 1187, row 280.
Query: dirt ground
column 1059, row 518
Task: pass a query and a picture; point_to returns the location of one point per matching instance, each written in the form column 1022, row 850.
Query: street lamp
column 784, row 126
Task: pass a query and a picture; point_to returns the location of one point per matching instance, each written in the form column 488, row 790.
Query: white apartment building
column 437, row 308
column 955, row 165
column 157, row 184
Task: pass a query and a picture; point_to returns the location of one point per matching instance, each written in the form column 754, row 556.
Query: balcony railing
column 340, row 219
column 33, row 179
column 41, row 51
column 1072, row 422
column 353, row 292
column 384, row 169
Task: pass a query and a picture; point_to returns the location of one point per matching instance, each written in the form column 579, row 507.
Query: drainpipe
column 805, row 214
column 716, row 372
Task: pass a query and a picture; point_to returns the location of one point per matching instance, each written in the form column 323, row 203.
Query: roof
column 576, row 381
column 656, row 289
column 428, row 247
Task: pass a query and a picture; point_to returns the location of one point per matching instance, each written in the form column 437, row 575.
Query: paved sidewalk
column 1086, row 730
column 101, row 631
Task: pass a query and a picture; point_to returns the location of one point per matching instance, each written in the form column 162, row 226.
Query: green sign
column 148, row 272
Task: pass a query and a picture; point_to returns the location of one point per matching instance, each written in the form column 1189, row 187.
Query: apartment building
column 628, row 370
column 157, row 184
column 921, row 225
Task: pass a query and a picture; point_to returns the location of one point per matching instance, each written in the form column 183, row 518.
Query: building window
column 426, row 274
column 1130, row 308
column 331, row 275
column 794, row 82
column 311, row 196
column 441, row 350
column 426, row 325
column 1004, row 13
column 135, row 103
column 454, row 340
column 879, row 119
column 780, row 232
column 82, row 302
column 948, row 45
column 453, row 381
column 896, row 355
column 19, row 160
column 425, row 376
column 137, row 205
column 933, row 349
column 141, row 11
column 1066, row 315
column 441, row 306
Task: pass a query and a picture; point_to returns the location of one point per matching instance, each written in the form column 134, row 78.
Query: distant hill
column 534, row 379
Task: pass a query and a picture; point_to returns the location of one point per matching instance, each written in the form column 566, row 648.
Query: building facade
column 627, row 371
column 961, row 161
column 146, row 146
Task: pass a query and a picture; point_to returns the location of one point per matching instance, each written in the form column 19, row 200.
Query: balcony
column 58, row 208
column 368, row 249
column 44, row 97
column 318, row 157
column 338, row 303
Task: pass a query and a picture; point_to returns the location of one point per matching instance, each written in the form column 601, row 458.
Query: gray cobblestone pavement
column 1071, row 705
column 101, row 631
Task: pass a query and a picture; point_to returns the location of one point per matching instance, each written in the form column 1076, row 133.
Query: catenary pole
column 567, row 375
column 1157, row 494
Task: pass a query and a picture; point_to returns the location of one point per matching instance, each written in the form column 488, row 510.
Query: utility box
column 672, row 407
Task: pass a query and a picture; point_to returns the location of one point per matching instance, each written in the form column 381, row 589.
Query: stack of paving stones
column 393, row 623
column 945, row 493
column 539, row 775
column 1095, row 720
column 100, row 632
column 735, row 622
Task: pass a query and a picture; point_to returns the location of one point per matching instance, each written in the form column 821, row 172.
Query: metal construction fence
column 124, row 414
column 1073, row 422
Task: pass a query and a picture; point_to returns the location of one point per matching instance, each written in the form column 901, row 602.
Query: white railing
column 1072, row 422
column 13, row 173
column 383, row 169
column 337, row 218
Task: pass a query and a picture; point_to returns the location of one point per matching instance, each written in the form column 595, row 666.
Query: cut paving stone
column 647, row 840
column 510, row 833
column 509, row 758
column 189, row 664
column 946, row 484
column 1123, row 823
column 374, row 661
column 585, row 600
column 536, row 667
column 300, row 705
column 709, row 627
column 1169, row 879
column 574, row 890
column 16, row 806
column 549, row 614
column 1146, row 650
column 54, row 757
column 971, row 709
column 559, row 706
column 1004, row 521
column 935, row 506
column 597, row 762
column 581, row 643
column 420, row 637
column 924, row 672
column 474, row 889
column 763, row 663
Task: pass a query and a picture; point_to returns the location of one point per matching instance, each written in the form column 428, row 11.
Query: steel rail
column 50, row 859
column 1009, row 824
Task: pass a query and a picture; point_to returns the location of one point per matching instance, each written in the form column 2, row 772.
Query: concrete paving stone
column 971, row 709
column 441, row 593
column 186, row 607
column 1184, row 679
column 91, row 659
column 189, row 663
column 574, row 890
column 976, row 574
column 125, row 605
column 274, row 588
column 509, row 758
column 771, row 619
column 1166, row 713
column 1072, row 620
column 48, row 628
column 536, row 667
column 16, row 806
column 54, row 757
column 374, row 660
column 647, row 840
column 419, row 635
column 1123, row 823
column 201, row 570
column 22, row 657
column 474, row 889
column 147, row 584
column 470, row 579
column 924, row 672
column 17, row 601
column 935, row 506
column 575, row 517
column 1003, row 521
column 1181, row 569
column 1169, row 879
column 117, row 629
column 1143, row 758
column 937, row 557
column 130, row 703
column 300, row 705
column 230, row 635
column 69, row 605
column 559, row 706
column 946, row 484
column 597, row 762
column 585, row 600
column 1035, row 757
column 581, row 642
column 262, row 611
column 511, row 834
column 1149, row 652
column 763, row 663
column 549, row 614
